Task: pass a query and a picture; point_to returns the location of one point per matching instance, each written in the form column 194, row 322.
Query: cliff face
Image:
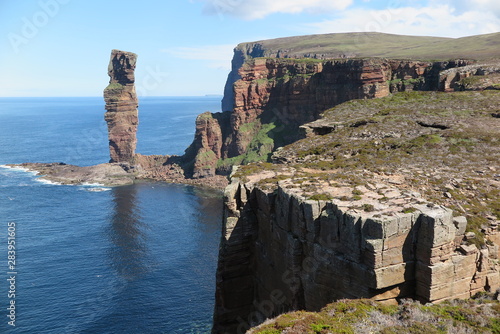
column 385, row 199
column 272, row 97
column 281, row 252
column 121, row 106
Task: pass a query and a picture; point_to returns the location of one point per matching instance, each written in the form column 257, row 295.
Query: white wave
column 19, row 169
column 88, row 184
column 96, row 189
column 45, row 181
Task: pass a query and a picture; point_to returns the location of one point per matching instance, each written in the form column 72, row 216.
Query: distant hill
column 372, row 44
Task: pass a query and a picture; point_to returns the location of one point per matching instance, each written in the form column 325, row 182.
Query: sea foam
column 45, row 181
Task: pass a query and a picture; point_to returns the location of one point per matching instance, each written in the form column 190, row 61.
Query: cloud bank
column 447, row 18
column 439, row 20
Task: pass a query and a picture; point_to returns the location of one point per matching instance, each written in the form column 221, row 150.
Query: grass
column 114, row 87
column 113, row 91
column 260, row 148
column 367, row 45
column 321, row 197
column 205, row 159
column 368, row 207
column 365, row 316
column 408, row 210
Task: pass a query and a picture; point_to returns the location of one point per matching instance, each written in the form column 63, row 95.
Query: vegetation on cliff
column 383, row 150
column 445, row 146
column 365, row 316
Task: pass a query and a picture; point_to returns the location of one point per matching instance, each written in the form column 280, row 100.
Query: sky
column 62, row 47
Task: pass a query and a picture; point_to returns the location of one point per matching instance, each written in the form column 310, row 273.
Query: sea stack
column 121, row 106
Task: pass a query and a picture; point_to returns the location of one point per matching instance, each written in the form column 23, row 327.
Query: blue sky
column 62, row 47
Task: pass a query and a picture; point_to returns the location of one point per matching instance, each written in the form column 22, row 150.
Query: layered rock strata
column 471, row 77
column 281, row 251
column 121, row 105
column 273, row 97
column 386, row 199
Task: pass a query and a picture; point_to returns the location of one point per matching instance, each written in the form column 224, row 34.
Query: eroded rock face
column 471, row 77
column 206, row 149
column 282, row 252
column 287, row 93
column 387, row 222
column 121, row 106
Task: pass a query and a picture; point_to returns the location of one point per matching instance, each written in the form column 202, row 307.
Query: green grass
column 114, row 86
column 367, row 45
column 321, row 197
column 408, row 210
column 205, row 159
column 259, row 149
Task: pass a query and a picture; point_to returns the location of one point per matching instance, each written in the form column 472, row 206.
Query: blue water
column 134, row 259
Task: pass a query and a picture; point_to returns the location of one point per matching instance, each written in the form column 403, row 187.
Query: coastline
column 112, row 175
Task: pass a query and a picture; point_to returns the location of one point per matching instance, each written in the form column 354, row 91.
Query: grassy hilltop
column 372, row 44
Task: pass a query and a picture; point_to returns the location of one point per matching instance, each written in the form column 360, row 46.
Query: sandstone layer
column 121, row 105
column 385, row 199
column 282, row 252
column 273, row 97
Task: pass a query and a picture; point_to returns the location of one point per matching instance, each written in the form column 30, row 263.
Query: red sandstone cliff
column 273, row 97
column 121, row 105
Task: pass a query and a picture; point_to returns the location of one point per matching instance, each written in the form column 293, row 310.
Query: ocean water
column 90, row 259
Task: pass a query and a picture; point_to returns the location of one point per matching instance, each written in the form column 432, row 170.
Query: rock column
column 121, row 106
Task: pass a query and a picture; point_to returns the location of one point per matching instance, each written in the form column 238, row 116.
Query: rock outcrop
column 107, row 174
column 121, row 105
column 273, row 97
column 471, row 77
column 282, row 252
column 385, row 199
column 206, row 149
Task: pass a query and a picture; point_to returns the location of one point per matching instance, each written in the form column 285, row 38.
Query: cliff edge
column 386, row 199
column 276, row 86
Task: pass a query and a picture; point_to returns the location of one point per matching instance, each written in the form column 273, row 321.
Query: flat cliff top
column 394, row 154
column 367, row 45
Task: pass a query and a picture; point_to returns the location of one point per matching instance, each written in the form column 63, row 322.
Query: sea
column 94, row 259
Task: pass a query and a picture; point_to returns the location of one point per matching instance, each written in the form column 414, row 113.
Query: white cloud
column 257, row 9
column 439, row 20
column 461, row 6
column 217, row 56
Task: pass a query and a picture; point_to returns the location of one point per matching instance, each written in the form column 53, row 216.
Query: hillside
column 363, row 316
column 379, row 45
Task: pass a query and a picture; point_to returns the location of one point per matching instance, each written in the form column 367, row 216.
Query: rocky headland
column 391, row 194
column 386, row 199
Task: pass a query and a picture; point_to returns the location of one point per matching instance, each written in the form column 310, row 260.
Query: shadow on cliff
column 265, row 271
